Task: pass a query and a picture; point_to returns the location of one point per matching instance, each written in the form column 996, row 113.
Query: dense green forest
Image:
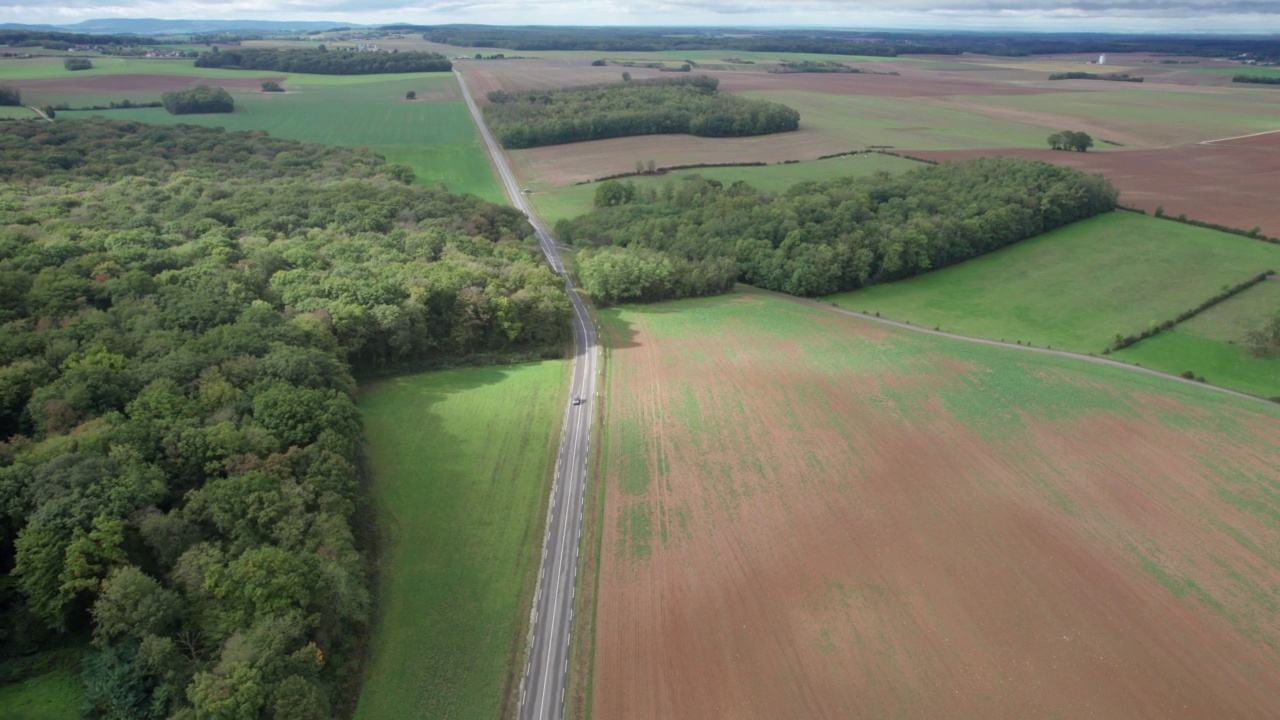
column 635, row 107
column 325, row 62
column 822, row 238
column 199, row 99
column 53, row 40
column 183, row 311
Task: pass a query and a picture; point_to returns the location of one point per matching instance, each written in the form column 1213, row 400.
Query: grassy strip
column 53, row 696
column 462, row 461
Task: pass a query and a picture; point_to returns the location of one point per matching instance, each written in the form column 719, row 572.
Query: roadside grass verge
column 462, row 463
column 574, row 200
column 54, row 695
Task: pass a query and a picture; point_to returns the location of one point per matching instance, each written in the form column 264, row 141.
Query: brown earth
column 116, row 84
column 836, row 543
column 1269, row 141
column 1226, row 183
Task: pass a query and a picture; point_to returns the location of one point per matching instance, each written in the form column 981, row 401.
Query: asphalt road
column 542, row 689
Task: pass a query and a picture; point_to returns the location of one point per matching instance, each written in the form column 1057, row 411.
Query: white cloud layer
column 1057, row 15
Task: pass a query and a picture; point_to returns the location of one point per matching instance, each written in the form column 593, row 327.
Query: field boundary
column 1238, row 137
column 996, row 343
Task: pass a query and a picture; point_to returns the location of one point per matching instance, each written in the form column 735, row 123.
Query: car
column 577, row 400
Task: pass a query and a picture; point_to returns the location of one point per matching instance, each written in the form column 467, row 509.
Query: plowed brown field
column 1231, row 183
column 808, row 517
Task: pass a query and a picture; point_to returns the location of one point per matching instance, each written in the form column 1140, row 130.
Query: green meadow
column 1076, row 287
column 433, row 134
column 864, row 120
column 462, row 463
column 1212, row 344
column 574, row 200
column 53, row 696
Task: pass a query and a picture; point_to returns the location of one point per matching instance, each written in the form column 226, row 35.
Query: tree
column 1080, row 141
column 10, row 96
column 133, row 604
column 1057, row 141
column 612, row 192
column 626, row 76
column 48, row 111
column 272, row 86
column 599, row 63
column 199, row 99
column 76, row 63
column 411, row 95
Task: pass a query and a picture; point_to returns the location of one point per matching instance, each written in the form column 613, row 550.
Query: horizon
column 1116, row 17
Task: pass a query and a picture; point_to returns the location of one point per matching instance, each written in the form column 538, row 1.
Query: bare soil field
column 115, row 84
column 808, row 516
column 1268, row 141
column 1225, row 183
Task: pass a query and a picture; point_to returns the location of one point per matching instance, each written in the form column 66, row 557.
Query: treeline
column 815, row 66
column 1257, row 79
column 1114, row 77
column 199, row 99
column 842, row 234
column 843, row 42
column 183, row 311
column 65, row 40
column 637, row 107
column 325, row 62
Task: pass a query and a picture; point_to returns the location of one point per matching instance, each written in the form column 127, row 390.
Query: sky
column 1049, row 15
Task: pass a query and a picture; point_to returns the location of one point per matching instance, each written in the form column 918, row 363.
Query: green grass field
column 16, row 112
column 575, row 200
column 434, row 135
column 1212, row 344
column 1076, row 287
column 52, row 696
column 903, row 122
column 462, row 463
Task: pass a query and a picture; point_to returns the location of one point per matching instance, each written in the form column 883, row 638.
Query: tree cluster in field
column 199, row 99
column 639, row 107
column 1121, row 341
column 10, row 96
column 272, row 86
column 77, row 63
column 820, row 66
column 822, row 238
column 1071, row 140
column 1257, row 79
column 1114, row 77
column 183, row 309
column 325, row 62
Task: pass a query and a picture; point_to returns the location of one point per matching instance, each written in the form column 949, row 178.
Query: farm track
column 543, row 684
column 997, row 343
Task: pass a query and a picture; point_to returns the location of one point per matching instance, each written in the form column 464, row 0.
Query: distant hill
column 149, row 26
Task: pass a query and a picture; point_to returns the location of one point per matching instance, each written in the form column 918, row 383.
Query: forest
column 185, row 310
column 635, row 107
column 322, row 61
column 821, row 238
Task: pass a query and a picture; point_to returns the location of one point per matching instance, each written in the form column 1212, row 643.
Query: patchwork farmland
column 813, row 516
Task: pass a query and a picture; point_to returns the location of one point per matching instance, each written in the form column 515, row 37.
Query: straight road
column 542, row 688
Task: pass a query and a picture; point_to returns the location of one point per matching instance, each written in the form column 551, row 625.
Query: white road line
column 1238, row 137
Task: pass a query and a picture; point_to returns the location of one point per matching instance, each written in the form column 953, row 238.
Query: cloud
column 1117, row 15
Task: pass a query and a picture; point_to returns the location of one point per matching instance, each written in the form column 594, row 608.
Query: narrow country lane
column 542, row 688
